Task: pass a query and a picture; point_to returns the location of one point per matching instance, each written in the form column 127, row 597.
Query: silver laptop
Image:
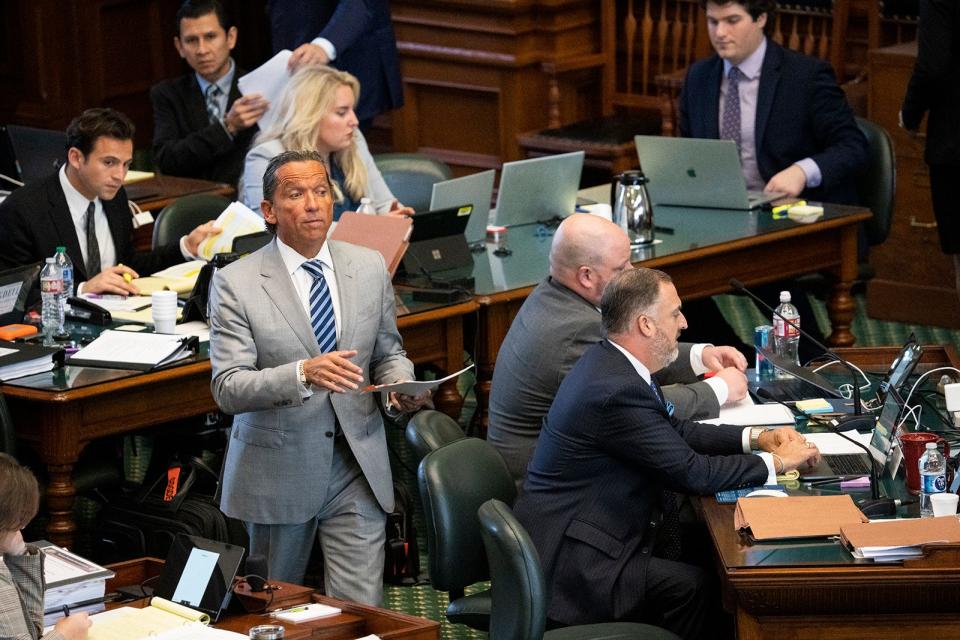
column 475, row 190
column 881, row 446
column 538, row 189
column 695, row 172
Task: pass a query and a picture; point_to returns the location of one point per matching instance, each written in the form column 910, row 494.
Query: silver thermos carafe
column 632, row 209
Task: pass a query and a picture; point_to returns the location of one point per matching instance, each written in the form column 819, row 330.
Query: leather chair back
column 518, row 608
column 411, row 176
column 428, row 430
column 877, row 184
column 185, row 214
column 454, row 481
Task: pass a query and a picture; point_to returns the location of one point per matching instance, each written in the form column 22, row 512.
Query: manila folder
column 389, row 235
column 795, row 516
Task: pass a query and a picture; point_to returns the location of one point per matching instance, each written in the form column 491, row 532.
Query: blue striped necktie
column 321, row 308
column 659, row 393
column 212, row 98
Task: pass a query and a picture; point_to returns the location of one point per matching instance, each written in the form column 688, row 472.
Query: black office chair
column 454, row 481
column 877, row 186
column 184, row 214
column 519, row 591
column 250, row 242
column 428, row 430
column 411, row 176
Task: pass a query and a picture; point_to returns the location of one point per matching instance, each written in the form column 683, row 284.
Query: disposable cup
column 944, row 504
column 164, row 300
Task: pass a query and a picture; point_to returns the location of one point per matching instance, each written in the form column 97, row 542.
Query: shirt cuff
column 719, row 388
column 811, row 171
column 327, row 47
column 183, row 250
column 696, row 358
column 745, row 440
column 80, row 288
column 771, row 468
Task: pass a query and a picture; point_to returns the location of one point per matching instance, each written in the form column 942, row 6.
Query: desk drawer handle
column 921, row 225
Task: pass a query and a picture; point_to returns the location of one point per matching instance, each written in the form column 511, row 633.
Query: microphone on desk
column 857, row 420
column 875, row 505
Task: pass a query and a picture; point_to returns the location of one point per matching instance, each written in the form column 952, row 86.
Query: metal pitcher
column 632, row 209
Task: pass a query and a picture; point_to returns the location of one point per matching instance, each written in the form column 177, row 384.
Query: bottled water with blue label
column 933, row 477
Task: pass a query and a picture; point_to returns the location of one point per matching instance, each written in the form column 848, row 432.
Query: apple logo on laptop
column 692, row 172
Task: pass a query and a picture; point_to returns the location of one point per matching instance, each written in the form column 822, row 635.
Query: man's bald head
column 586, row 252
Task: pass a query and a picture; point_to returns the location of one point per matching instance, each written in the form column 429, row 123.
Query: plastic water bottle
column 66, row 269
column 51, row 293
column 366, row 206
column 786, row 339
column 933, row 477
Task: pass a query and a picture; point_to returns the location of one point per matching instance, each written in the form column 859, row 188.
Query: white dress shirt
column 78, row 203
column 645, row 374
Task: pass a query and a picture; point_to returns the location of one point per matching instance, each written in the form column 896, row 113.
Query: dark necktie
column 93, row 247
column 213, row 103
column 659, row 393
column 668, row 540
column 730, row 126
column 321, row 308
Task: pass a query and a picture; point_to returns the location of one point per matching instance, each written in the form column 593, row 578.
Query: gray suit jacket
column 21, row 597
column 277, row 465
column 550, row 333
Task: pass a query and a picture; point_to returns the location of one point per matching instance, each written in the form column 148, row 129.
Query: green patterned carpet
column 743, row 316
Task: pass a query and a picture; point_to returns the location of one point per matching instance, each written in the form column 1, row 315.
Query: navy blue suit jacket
column 801, row 113
column 591, row 500
column 35, row 220
column 363, row 35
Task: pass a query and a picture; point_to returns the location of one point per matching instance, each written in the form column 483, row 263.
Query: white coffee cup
column 165, row 300
column 944, row 504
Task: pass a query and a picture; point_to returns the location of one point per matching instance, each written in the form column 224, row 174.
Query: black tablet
column 199, row 574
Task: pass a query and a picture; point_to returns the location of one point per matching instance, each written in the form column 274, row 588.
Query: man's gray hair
column 629, row 294
column 277, row 161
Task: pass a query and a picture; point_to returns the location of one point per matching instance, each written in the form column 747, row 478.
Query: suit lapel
column 769, row 79
column 62, row 221
column 712, row 100
column 196, row 104
column 346, row 290
column 279, row 288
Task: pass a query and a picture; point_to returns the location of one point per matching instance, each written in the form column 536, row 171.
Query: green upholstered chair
column 519, row 591
column 429, row 430
column 877, row 183
column 454, row 481
column 184, row 214
column 411, row 176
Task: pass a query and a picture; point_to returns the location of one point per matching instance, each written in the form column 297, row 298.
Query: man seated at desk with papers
column 609, row 448
column 21, row 571
column 83, row 207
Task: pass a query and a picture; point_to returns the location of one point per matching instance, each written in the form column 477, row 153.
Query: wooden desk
column 60, row 412
column 356, row 620
column 706, row 249
column 157, row 192
column 817, row 590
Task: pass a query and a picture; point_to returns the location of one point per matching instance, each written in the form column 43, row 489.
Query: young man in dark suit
column 608, row 450
column 84, row 208
column 202, row 125
column 791, row 121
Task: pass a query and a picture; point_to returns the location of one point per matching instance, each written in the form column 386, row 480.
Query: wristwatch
column 302, row 375
column 755, row 437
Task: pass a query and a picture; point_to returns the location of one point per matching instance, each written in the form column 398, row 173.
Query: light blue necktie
column 730, row 126
column 659, row 393
column 321, row 308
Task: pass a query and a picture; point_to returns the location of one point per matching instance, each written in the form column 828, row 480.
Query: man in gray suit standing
column 561, row 319
column 295, row 330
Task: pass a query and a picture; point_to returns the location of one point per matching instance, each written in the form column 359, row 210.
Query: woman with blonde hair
column 316, row 112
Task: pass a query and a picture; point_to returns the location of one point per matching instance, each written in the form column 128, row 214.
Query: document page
column 133, row 348
column 236, row 220
column 269, row 80
column 413, row 387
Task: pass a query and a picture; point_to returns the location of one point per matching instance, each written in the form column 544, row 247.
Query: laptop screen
column 15, row 285
column 885, row 431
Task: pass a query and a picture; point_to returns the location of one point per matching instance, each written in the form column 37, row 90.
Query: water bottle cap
column 784, row 296
column 61, row 249
column 931, row 445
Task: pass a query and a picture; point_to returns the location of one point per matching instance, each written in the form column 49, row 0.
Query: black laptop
column 15, row 285
column 28, row 154
column 438, row 249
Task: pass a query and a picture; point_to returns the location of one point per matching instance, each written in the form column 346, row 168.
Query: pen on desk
column 784, row 207
column 833, row 480
column 667, row 231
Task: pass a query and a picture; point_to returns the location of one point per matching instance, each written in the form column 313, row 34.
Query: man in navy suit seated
column 608, row 450
column 202, row 126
